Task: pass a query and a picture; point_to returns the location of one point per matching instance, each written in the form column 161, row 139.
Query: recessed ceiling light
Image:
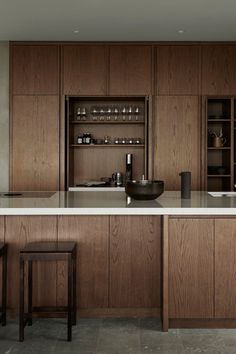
column 76, row 31
column 181, row 31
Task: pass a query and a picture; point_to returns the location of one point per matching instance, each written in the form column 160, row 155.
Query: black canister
column 185, row 184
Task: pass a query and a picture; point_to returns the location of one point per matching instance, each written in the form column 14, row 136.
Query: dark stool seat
column 3, row 255
column 48, row 251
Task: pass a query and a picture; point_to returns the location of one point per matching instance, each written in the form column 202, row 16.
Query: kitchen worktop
column 116, row 203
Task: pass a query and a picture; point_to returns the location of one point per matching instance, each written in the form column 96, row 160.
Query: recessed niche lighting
column 76, row 31
column 181, row 31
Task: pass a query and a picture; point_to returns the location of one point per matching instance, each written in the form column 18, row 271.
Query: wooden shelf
column 106, row 145
column 218, row 175
column 219, row 120
column 219, row 148
column 107, row 122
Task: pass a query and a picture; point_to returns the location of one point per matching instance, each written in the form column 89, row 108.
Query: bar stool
column 3, row 255
column 48, row 251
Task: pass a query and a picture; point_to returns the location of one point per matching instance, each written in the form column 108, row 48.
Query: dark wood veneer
column 85, row 70
column 130, row 70
column 35, row 69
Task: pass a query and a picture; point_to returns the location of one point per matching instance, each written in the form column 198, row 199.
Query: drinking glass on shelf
column 116, row 111
column 94, row 111
column 130, row 140
column 83, row 111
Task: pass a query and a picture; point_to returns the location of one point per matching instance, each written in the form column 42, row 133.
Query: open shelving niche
column 94, row 161
column 221, row 161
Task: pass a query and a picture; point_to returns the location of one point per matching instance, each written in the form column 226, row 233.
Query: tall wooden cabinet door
column 19, row 231
column 85, row 69
column 130, row 70
column 35, row 69
column 191, row 273
column 35, row 143
column 225, row 268
column 135, row 261
column 178, row 70
column 92, row 236
column 176, row 140
column 219, row 70
column 2, row 239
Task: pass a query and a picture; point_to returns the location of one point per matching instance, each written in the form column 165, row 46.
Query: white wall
column 4, row 116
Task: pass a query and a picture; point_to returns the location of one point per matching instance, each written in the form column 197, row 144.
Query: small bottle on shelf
column 78, row 114
column 84, row 138
column 88, row 138
column 80, row 140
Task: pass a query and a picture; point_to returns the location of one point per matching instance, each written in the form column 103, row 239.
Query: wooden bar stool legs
column 71, row 293
column 48, row 251
column 3, row 254
column 22, row 300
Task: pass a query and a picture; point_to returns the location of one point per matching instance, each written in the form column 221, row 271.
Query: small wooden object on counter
column 48, row 251
column 3, row 255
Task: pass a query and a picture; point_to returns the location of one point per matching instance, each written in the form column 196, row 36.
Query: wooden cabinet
column 92, row 235
column 218, row 70
column 85, row 69
column 135, row 261
column 219, row 143
column 2, row 238
column 191, row 268
column 35, row 69
column 35, row 143
column 178, row 70
column 88, row 162
column 130, row 70
column 2, row 229
column 225, row 268
column 19, row 231
column 176, row 140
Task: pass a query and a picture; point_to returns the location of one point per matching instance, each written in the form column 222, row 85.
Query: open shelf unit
column 220, row 136
column 105, row 116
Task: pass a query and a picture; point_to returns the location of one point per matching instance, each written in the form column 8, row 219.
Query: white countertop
column 115, row 203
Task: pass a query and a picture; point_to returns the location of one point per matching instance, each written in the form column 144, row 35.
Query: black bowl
column 144, row 189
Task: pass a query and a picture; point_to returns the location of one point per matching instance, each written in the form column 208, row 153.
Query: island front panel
column 118, row 262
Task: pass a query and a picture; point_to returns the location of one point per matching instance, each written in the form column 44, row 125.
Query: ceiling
column 120, row 20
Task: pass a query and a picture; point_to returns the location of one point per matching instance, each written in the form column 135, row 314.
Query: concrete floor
column 115, row 336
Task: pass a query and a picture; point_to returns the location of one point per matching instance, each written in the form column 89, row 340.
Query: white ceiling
column 120, row 20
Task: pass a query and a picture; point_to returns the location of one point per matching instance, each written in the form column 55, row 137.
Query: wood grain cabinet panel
column 225, row 268
column 2, row 239
column 35, row 143
column 92, row 236
column 191, row 272
column 130, row 70
column 177, row 70
column 35, row 69
column 219, row 70
column 135, row 261
column 85, row 69
column 19, row 231
column 176, row 140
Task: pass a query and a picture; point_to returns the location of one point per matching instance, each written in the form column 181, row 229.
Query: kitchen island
column 135, row 258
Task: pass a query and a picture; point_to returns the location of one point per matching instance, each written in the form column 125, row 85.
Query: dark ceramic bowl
column 144, row 189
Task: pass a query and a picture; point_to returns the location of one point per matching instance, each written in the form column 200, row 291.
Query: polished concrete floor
column 118, row 336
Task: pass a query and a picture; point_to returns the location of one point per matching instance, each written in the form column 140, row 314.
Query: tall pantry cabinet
column 34, row 117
